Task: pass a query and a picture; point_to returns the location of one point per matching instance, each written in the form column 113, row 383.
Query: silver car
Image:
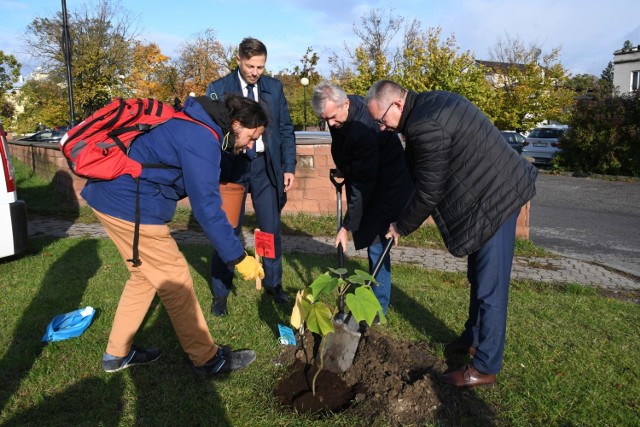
column 515, row 139
column 543, row 144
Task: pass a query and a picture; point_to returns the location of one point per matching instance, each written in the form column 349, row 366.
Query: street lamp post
column 67, row 56
column 305, row 82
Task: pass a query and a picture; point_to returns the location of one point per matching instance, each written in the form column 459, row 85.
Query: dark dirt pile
column 391, row 382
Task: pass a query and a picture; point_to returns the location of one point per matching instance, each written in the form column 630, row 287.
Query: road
column 589, row 219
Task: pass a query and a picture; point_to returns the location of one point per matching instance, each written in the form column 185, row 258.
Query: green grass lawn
column 570, row 359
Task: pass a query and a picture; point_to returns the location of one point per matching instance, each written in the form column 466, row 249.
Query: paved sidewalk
column 556, row 269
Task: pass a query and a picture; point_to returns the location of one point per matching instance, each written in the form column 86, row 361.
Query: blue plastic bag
column 69, row 325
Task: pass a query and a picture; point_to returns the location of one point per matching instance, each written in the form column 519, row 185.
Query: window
column 635, row 80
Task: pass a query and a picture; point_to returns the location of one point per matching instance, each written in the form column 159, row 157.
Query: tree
column 101, row 38
column 606, row 79
column 201, row 61
column 429, row 64
column 149, row 75
column 294, row 92
column 588, row 86
column 422, row 62
column 604, row 135
column 627, row 45
column 9, row 74
column 44, row 102
column 9, row 71
column 371, row 60
column 532, row 86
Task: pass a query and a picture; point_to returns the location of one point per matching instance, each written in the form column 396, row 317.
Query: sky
column 587, row 32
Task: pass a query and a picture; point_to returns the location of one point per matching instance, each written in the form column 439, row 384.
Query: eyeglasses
column 380, row 121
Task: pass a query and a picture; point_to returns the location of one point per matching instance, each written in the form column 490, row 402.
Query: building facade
column 626, row 69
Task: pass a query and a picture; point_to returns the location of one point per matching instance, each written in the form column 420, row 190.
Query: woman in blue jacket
column 191, row 156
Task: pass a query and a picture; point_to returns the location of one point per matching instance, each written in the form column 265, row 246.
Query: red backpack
column 98, row 147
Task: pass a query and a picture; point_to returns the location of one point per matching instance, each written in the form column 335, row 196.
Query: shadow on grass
column 70, row 406
column 60, row 292
column 26, row 343
column 169, row 385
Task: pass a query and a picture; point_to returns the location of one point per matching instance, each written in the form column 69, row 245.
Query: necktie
column 251, row 152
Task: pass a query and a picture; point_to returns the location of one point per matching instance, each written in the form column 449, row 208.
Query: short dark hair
column 250, row 47
column 247, row 112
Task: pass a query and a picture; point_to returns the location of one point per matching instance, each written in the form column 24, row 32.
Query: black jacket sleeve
column 428, row 159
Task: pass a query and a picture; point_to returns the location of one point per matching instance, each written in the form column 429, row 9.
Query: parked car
column 46, row 136
column 543, row 143
column 13, row 212
column 515, row 139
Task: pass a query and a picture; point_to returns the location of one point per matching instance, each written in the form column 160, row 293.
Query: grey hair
column 326, row 91
column 384, row 92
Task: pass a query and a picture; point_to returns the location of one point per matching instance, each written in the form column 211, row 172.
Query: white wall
column 624, row 63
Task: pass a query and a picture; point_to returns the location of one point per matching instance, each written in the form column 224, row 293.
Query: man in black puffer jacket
column 473, row 184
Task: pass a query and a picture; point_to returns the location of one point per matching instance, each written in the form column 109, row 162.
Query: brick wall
column 312, row 192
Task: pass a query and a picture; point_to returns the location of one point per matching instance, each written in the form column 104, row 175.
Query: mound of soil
column 391, row 381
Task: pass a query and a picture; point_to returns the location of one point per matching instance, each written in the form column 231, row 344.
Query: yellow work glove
column 249, row 268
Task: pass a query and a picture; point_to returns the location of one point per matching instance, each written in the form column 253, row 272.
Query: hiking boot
column 219, row 306
column 226, row 361
column 136, row 356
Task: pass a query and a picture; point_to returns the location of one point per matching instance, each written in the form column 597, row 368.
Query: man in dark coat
column 376, row 177
column 473, row 184
column 267, row 171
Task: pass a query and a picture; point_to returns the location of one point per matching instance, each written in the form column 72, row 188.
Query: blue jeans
column 489, row 272
column 383, row 289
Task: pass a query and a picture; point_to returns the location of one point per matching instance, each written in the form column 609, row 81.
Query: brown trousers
column 163, row 270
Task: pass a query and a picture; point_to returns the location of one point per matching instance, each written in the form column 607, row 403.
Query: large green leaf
column 319, row 318
column 338, row 271
column 361, row 278
column 324, row 283
column 364, row 305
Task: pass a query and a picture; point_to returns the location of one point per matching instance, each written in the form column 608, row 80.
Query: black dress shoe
column 468, row 376
column 277, row 293
column 219, row 306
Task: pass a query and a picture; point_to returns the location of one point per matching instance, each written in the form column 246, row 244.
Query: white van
column 13, row 212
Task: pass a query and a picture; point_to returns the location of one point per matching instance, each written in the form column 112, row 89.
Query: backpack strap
column 183, row 116
column 135, row 258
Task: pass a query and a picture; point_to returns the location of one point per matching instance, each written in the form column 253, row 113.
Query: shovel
column 340, row 346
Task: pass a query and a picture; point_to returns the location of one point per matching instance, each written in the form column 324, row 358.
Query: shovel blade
column 341, row 345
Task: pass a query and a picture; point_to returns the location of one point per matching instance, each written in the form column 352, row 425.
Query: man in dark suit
column 376, row 177
column 267, row 171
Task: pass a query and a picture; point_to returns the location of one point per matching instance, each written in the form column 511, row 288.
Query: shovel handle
column 383, row 255
column 257, row 257
column 334, row 175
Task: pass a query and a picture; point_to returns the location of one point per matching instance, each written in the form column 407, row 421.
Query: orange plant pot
column 232, row 195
